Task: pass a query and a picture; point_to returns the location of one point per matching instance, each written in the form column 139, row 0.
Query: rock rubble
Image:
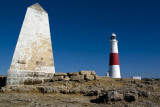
column 103, row 92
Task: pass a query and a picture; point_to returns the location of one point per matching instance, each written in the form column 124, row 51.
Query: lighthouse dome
column 113, row 34
column 113, row 37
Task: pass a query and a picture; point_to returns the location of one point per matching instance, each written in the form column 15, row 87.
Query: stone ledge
column 26, row 80
column 27, row 77
column 60, row 74
column 75, row 76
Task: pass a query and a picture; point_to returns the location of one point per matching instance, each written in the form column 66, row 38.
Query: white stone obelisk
column 33, row 57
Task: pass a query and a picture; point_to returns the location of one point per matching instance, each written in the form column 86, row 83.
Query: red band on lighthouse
column 114, row 59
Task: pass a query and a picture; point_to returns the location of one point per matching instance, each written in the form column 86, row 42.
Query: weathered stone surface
column 93, row 73
column 54, row 79
column 32, row 81
column 33, row 51
column 14, row 81
column 57, row 78
column 89, row 77
column 49, row 89
column 85, row 72
column 66, row 78
column 77, row 78
column 50, row 75
column 46, row 80
column 38, row 74
column 114, row 96
column 60, row 74
column 96, row 77
column 73, row 73
column 143, row 93
column 60, row 78
column 131, row 95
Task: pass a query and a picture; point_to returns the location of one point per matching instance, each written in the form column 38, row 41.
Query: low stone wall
column 75, row 76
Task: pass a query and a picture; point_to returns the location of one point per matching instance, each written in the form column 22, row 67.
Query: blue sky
column 81, row 30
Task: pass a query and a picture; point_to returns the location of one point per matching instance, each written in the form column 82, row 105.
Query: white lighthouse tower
column 114, row 69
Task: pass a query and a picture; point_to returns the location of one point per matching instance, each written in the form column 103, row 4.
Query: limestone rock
column 32, row 81
column 93, row 73
column 54, row 79
column 73, row 73
column 77, row 78
column 33, row 53
column 131, row 95
column 97, row 93
column 144, row 93
column 60, row 74
column 114, row 96
column 85, row 72
column 60, row 78
column 66, row 78
column 96, row 77
column 89, row 77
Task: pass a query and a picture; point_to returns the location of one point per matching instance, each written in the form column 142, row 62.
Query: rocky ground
column 95, row 93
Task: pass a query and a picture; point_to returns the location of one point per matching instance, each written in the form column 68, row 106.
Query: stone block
column 50, row 75
column 93, row 73
column 39, row 74
column 46, row 80
column 60, row 78
column 89, row 77
column 13, row 81
column 24, row 74
column 30, row 74
column 130, row 97
column 32, row 81
column 21, row 80
column 96, row 77
column 54, row 79
column 73, row 73
column 114, row 96
column 66, row 78
column 77, row 78
column 85, row 72
column 60, row 74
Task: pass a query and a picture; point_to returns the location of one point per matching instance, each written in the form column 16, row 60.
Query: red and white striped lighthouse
column 114, row 69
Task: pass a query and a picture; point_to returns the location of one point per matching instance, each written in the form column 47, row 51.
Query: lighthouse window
column 113, row 37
